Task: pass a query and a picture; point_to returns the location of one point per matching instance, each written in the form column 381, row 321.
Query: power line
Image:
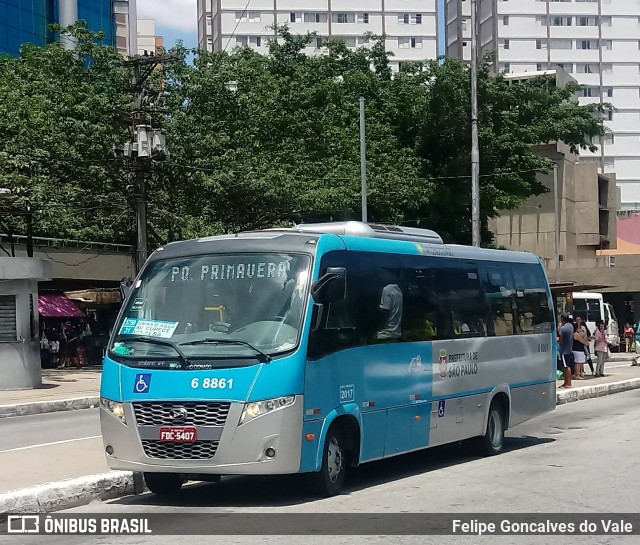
column 237, row 24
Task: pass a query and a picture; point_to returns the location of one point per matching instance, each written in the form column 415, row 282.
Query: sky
column 177, row 20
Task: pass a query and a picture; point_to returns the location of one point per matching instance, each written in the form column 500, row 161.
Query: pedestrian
column 582, row 328
column 601, row 348
column 565, row 339
column 629, row 336
column 579, row 356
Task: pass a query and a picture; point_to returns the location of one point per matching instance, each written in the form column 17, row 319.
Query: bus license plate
column 178, row 435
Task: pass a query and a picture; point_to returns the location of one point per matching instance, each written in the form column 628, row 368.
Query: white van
column 591, row 308
column 611, row 322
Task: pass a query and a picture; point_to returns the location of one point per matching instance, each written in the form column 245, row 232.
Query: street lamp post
column 475, row 152
column 363, row 161
column 556, row 210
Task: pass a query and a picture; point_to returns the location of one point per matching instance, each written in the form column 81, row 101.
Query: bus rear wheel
column 163, row 484
column 492, row 442
column 330, row 479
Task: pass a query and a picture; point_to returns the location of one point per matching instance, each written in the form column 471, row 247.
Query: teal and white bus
column 321, row 347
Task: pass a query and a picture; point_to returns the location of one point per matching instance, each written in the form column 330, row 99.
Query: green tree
column 60, row 116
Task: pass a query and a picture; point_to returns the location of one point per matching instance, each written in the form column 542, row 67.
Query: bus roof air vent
column 361, row 229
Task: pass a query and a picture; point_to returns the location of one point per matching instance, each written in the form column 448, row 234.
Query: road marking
column 50, row 444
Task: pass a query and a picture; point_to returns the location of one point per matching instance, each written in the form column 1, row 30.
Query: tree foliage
column 279, row 145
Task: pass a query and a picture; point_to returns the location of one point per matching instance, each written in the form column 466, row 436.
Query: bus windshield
column 239, row 307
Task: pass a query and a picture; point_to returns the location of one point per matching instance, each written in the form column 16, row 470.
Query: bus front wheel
column 330, row 479
column 492, row 441
column 163, row 484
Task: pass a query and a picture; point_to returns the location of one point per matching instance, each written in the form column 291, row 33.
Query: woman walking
column 601, row 348
column 629, row 335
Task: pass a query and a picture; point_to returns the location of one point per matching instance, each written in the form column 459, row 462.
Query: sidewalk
column 61, row 390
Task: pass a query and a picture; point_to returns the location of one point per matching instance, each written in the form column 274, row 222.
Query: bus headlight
column 114, row 407
column 260, row 408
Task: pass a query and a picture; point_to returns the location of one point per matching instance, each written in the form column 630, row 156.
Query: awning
column 58, row 306
column 97, row 296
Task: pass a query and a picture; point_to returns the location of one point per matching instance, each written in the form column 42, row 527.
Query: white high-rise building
column 409, row 25
column 596, row 41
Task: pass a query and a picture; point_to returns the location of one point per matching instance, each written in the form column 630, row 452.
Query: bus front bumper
column 267, row 445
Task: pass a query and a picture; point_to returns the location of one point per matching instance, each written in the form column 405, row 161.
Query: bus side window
column 424, row 312
column 532, row 300
column 500, row 294
column 337, row 329
column 466, row 300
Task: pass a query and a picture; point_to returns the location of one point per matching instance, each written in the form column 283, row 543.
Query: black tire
column 330, row 479
column 492, row 442
column 163, row 484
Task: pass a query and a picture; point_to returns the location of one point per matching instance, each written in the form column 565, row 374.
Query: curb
column 40, row 407
column 599, row 390
column 70, row 493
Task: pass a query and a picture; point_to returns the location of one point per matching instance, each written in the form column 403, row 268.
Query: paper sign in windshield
column 148, row 328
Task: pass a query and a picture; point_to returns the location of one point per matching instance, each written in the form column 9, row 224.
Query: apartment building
column 409, row 25
column 597, row 41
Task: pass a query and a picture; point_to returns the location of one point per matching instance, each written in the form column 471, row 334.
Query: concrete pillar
column 20, row 352
column 133, row 27
column 67, row 15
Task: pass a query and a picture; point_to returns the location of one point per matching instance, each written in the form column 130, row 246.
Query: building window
column 242, row 41
column 256, row 41
column 241, row 16
column 416, row 43
column 586, row 44
column 505, row 20
column 561, row 21
column 404, row 18
column 587, row 68
column 315, row 18
column 567, row 67
column 586, row 21
column 363, row 40
column 254, row 16
column 541, row 44
column 505, row 67
column 344, row 18
column 8, row 326
column 606, row 44
column 562, row 44
column 589, row 92
column 539, row 67
column 609, row 91
column 363, row 18
column 418, row 18
column 504, row 44
column 295, row 17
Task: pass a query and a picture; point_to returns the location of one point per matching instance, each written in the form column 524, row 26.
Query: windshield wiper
column 264, row 357
column 153, row 340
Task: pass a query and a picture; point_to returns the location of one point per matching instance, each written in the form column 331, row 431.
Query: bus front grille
column 157, row 413
column 198, row 450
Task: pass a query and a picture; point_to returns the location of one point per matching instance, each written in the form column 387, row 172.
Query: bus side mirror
column 331, row 286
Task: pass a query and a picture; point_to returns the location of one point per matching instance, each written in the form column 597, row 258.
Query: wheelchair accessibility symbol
column 142, row 383
column 441, row 408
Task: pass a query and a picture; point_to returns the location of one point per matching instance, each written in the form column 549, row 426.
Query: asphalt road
column 36, row 431
column 582, row 458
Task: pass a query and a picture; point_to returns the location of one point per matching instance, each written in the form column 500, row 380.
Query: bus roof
column 354, row 235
